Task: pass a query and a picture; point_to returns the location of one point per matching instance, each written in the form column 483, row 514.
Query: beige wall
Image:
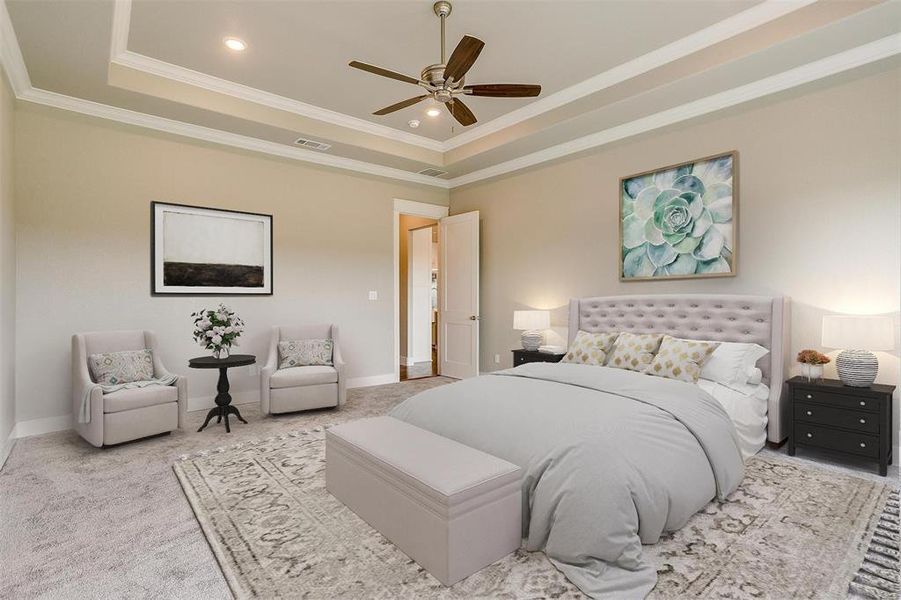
column 7, row 267
column 83, row 190
column 407, row 222
column 820, row 204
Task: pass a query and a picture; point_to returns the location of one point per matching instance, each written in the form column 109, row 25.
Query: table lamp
column 531, row 323
column 857, row 336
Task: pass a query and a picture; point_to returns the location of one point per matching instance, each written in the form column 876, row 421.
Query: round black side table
column 223, row 406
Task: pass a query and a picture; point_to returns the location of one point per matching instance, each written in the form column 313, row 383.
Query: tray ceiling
column 603, row 66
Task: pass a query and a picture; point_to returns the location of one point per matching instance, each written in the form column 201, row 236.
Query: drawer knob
column 809, row 435
column 809, row 396
column 863, row 403
column 863, row 421
column 863, row 445
column 809, row 413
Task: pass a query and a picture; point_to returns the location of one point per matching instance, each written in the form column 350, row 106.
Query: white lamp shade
column 858, row 333
column 527, row 320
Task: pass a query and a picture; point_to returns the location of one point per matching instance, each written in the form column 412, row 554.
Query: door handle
column 474, row 318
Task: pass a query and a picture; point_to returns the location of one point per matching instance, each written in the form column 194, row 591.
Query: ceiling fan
column 445, row 81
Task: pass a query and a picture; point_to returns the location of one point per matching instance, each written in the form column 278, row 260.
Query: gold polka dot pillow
column 634, row 351
column 681, row 359
column 590, row 348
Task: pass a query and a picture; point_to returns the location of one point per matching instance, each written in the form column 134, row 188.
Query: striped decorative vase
column 531, row 340
column 857, row 368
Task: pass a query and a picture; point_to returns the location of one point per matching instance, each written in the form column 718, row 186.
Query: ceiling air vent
column 431, row 172
column 312, row 144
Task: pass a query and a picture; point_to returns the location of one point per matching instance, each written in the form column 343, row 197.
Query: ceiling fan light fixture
column 235, row 44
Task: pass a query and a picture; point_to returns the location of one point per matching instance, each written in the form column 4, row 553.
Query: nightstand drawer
column 521, row 357
column 838, row 400
column 833, row 439
column 819, row 414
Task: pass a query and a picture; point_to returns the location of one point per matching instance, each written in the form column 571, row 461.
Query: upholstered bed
column 612, row 458
column 760, row 320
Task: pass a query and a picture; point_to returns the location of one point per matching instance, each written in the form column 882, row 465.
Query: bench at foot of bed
column 449, row 507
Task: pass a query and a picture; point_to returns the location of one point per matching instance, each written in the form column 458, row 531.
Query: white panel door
column 419, row 295
column 458, row 291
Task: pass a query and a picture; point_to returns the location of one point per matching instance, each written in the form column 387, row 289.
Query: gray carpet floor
column 78, row 522
column 82, row 522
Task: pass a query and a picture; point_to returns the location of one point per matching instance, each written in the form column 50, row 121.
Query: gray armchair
column 127, row 414
column 302, row 388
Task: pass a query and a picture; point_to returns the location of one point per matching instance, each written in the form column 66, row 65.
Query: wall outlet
column 497, row 359
column 373, row 295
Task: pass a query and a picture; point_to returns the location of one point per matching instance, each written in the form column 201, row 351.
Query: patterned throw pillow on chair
column 634, row 351
column 681, row 359
column 302, row 353
column 115, row 368
column 590, row 348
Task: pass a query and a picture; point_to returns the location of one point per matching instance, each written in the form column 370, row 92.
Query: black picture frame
column 158, row 286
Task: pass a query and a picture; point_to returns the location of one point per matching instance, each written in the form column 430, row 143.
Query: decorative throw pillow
column 634, row 351
column 302, row 353
column 114, row 368
column 590, row 348
column 681, row 359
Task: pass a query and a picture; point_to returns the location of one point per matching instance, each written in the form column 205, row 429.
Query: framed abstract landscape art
column 680, row 221
column 209, row 252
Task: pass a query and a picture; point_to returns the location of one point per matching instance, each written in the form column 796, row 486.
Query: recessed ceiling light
column 235, row 44
column 414, row 123
column 433, row 112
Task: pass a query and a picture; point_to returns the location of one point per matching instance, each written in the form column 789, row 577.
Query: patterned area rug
column 790, row 531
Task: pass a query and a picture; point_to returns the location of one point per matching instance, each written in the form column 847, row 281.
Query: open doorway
column 418, row 294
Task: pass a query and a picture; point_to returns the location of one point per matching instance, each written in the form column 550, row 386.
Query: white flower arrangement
column 217, row 330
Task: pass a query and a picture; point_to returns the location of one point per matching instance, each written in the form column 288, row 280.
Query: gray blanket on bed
column 611, row 459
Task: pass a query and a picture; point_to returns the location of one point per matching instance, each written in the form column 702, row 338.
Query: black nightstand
column 521, row 357
column 829, row 415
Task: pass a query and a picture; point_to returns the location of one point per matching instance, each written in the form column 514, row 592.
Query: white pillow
column 731, row 362
column 755, row 376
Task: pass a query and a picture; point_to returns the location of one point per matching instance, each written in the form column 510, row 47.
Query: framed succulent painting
column 680, row 221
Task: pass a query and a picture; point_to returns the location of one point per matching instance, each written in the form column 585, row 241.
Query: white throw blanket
column 84, row 413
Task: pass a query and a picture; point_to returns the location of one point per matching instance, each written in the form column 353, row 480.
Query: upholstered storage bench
column 449, row 507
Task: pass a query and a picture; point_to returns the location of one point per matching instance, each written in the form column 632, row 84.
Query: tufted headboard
column 727, row 318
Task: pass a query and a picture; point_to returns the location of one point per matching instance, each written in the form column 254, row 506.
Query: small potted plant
column 217, row 330
column 812, row 364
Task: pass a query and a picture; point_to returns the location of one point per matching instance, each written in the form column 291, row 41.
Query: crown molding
column 837, row 63
column 216, row 136
column 13, row 64
column 121, row 55
column 120, row 28
column 210, row 83
column 11, row 55
column 756, row 16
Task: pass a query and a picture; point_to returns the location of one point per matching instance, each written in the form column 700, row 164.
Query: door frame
column 416, row 209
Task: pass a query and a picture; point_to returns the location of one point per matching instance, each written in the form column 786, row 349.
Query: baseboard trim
column 359, row 382
column 7, row 447
column 407, row 362
column 64, row 422
column 41, row 426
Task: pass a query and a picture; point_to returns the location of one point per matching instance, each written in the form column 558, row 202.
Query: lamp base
column 531, row 340
column 857, row 368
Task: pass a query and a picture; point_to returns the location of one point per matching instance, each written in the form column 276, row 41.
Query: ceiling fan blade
column 400, row 105
column 463, row 57
column 503, row 90
column 461, row 112
column 383, row 72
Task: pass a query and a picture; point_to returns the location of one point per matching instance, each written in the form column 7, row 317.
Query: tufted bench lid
column 445, row 470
